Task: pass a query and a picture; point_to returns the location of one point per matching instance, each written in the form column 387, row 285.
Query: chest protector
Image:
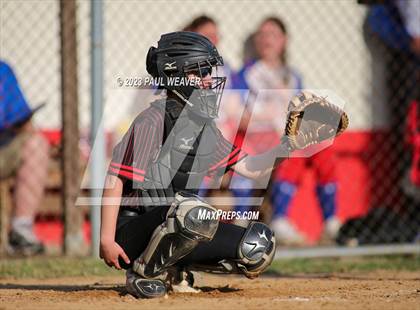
column 184, row 159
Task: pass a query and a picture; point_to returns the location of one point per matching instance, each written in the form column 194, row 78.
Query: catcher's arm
column 258, row 166
column 110, row 251
column 311, row 119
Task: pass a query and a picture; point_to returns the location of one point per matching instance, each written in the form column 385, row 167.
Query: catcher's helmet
column 179, row 54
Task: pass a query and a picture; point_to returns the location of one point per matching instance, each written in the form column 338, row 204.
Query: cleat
column 331, row 228
column 184, row 287
column 181, row 281
column 286, row 233
column 19, row 244
column 144, row 288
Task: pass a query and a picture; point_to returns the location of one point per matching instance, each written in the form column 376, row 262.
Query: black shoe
column 150, row 288
column 144, row 288
column 20, row 245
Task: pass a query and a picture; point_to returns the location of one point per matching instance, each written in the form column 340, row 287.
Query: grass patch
column 55, row 267
column 348, row 264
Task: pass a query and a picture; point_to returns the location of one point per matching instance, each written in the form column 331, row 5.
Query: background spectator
column 23, row 156
column 272, row 72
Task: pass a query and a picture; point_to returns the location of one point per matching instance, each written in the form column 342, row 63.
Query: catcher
column 152, row 221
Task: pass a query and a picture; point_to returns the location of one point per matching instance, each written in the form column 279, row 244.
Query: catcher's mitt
column 312, row 119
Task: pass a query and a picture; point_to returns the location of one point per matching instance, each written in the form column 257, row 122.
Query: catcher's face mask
column 204, row 97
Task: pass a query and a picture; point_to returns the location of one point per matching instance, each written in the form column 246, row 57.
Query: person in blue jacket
column 23, row 156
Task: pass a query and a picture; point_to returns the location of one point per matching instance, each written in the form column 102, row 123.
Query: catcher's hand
column 312, row 119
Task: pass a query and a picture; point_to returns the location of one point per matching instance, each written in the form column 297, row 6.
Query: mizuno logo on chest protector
column 186, row 143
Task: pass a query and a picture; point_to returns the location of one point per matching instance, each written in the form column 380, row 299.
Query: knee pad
column 192, row 217
column 188, row 222
column 255, row 251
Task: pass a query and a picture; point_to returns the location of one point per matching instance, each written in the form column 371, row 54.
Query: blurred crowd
column 267, row 69
column 392, row 32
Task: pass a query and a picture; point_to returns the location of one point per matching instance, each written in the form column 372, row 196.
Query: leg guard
column 178, row 235
column 255, row 251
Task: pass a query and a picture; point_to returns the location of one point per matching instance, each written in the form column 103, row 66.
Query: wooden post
column 73, row 236
column 5, row 204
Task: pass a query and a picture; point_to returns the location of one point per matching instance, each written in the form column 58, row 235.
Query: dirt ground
column 377, row 290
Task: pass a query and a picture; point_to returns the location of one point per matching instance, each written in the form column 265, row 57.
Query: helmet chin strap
column 182, row 98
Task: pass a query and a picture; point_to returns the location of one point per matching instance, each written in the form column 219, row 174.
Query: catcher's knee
column 184, row 228
column 191, row 218
column 255, row 253
column 256, row 250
